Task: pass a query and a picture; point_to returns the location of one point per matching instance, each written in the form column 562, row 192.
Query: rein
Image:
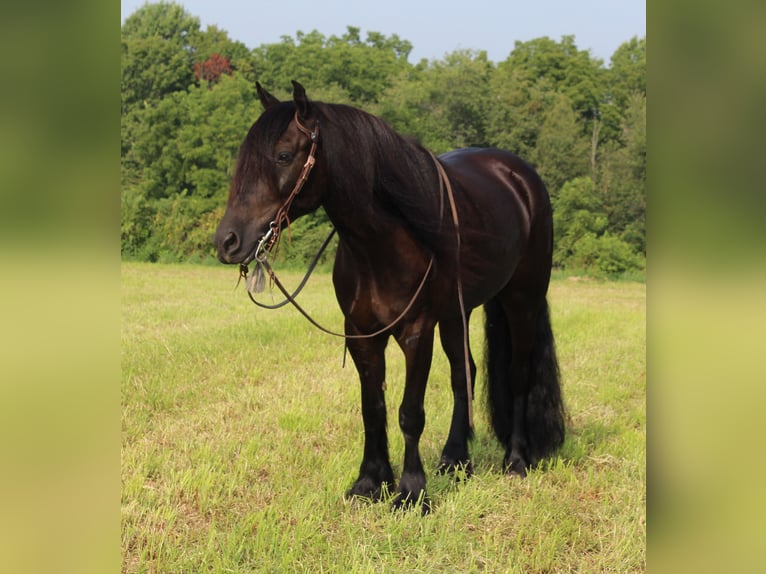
column 444, row 183
column 290, row 298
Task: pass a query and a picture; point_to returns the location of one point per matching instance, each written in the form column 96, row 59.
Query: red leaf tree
column 211, row 69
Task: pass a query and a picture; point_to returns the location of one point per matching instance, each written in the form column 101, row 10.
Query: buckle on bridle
column 267, row 242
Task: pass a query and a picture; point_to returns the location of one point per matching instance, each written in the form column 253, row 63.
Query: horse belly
column 489, row 257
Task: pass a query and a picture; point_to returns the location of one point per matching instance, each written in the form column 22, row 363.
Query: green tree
column 566, row 69
column 135, row 221
column 627, row 72
column 360, row 70
column 517, row 110
column 577, row 211
column 406, row 106
column 216, row 120
column 561, row 149
column 605, row 256
column 621, row 179
column 152, row 169
column 154, row 151
column 625, row 76
column 582, row 238
column 549, row 102
column 444, row 104
column 157, row 54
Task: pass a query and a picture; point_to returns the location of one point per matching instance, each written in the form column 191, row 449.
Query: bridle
column 271, row 239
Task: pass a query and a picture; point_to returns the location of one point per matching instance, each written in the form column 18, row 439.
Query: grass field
column 241, row 431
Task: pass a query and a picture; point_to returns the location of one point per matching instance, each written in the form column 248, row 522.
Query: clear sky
column 434, row 27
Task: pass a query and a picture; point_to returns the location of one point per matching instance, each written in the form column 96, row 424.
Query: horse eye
column 284, row 157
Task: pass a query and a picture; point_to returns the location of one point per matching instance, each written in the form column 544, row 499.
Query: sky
column 434, row 28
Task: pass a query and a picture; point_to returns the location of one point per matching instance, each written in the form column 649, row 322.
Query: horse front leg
column 375, row 474
column 417, row 345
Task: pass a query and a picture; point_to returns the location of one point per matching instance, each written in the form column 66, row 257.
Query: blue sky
column 433, row 27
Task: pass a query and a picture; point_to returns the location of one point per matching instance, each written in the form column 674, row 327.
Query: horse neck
column 361, row 222
column 362, row 153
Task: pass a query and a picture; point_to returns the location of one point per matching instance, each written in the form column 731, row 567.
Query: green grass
column 241, row 431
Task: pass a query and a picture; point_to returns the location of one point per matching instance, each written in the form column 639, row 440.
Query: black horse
column 421, row 241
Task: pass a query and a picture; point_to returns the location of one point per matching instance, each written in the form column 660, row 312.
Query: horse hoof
column 366, row 489
column 459, row 470
column 517, row 467
column 408, row 502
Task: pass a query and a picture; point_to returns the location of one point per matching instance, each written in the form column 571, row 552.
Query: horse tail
column 545, row 418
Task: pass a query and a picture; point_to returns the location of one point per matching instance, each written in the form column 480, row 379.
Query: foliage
column 438, row 102
column 360, row 69
column 157, row 54
column 188, row 99
column 584, row 242
column 135, row 221
column 621, row 176
column 302, row 240
column 563, row 67
column 606, row 256
column 181, row 230
column 561, row 150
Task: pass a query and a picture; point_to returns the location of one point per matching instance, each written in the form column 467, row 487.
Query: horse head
column 271, row 184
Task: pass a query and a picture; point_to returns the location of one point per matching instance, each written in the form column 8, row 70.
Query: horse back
column 495, row 179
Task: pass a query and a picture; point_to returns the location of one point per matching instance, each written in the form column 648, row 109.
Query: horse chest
column 374, row 301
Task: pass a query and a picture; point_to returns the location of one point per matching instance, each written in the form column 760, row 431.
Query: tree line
column 188, row 98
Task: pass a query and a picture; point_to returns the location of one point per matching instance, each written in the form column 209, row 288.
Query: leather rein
column 271, row 239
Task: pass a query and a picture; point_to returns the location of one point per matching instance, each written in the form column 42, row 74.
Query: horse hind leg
column 455, row 456
column 518, row 457
column 523, row 380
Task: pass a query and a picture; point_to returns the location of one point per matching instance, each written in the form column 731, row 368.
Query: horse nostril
column 230, row 242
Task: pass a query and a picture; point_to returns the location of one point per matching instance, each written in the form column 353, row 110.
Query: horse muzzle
column 230, row 249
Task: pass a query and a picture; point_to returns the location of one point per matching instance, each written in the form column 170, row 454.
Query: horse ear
column 267, row 100
column 301, row 101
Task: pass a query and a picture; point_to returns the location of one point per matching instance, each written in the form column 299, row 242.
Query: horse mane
column 370, row 165
column 393, row 172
